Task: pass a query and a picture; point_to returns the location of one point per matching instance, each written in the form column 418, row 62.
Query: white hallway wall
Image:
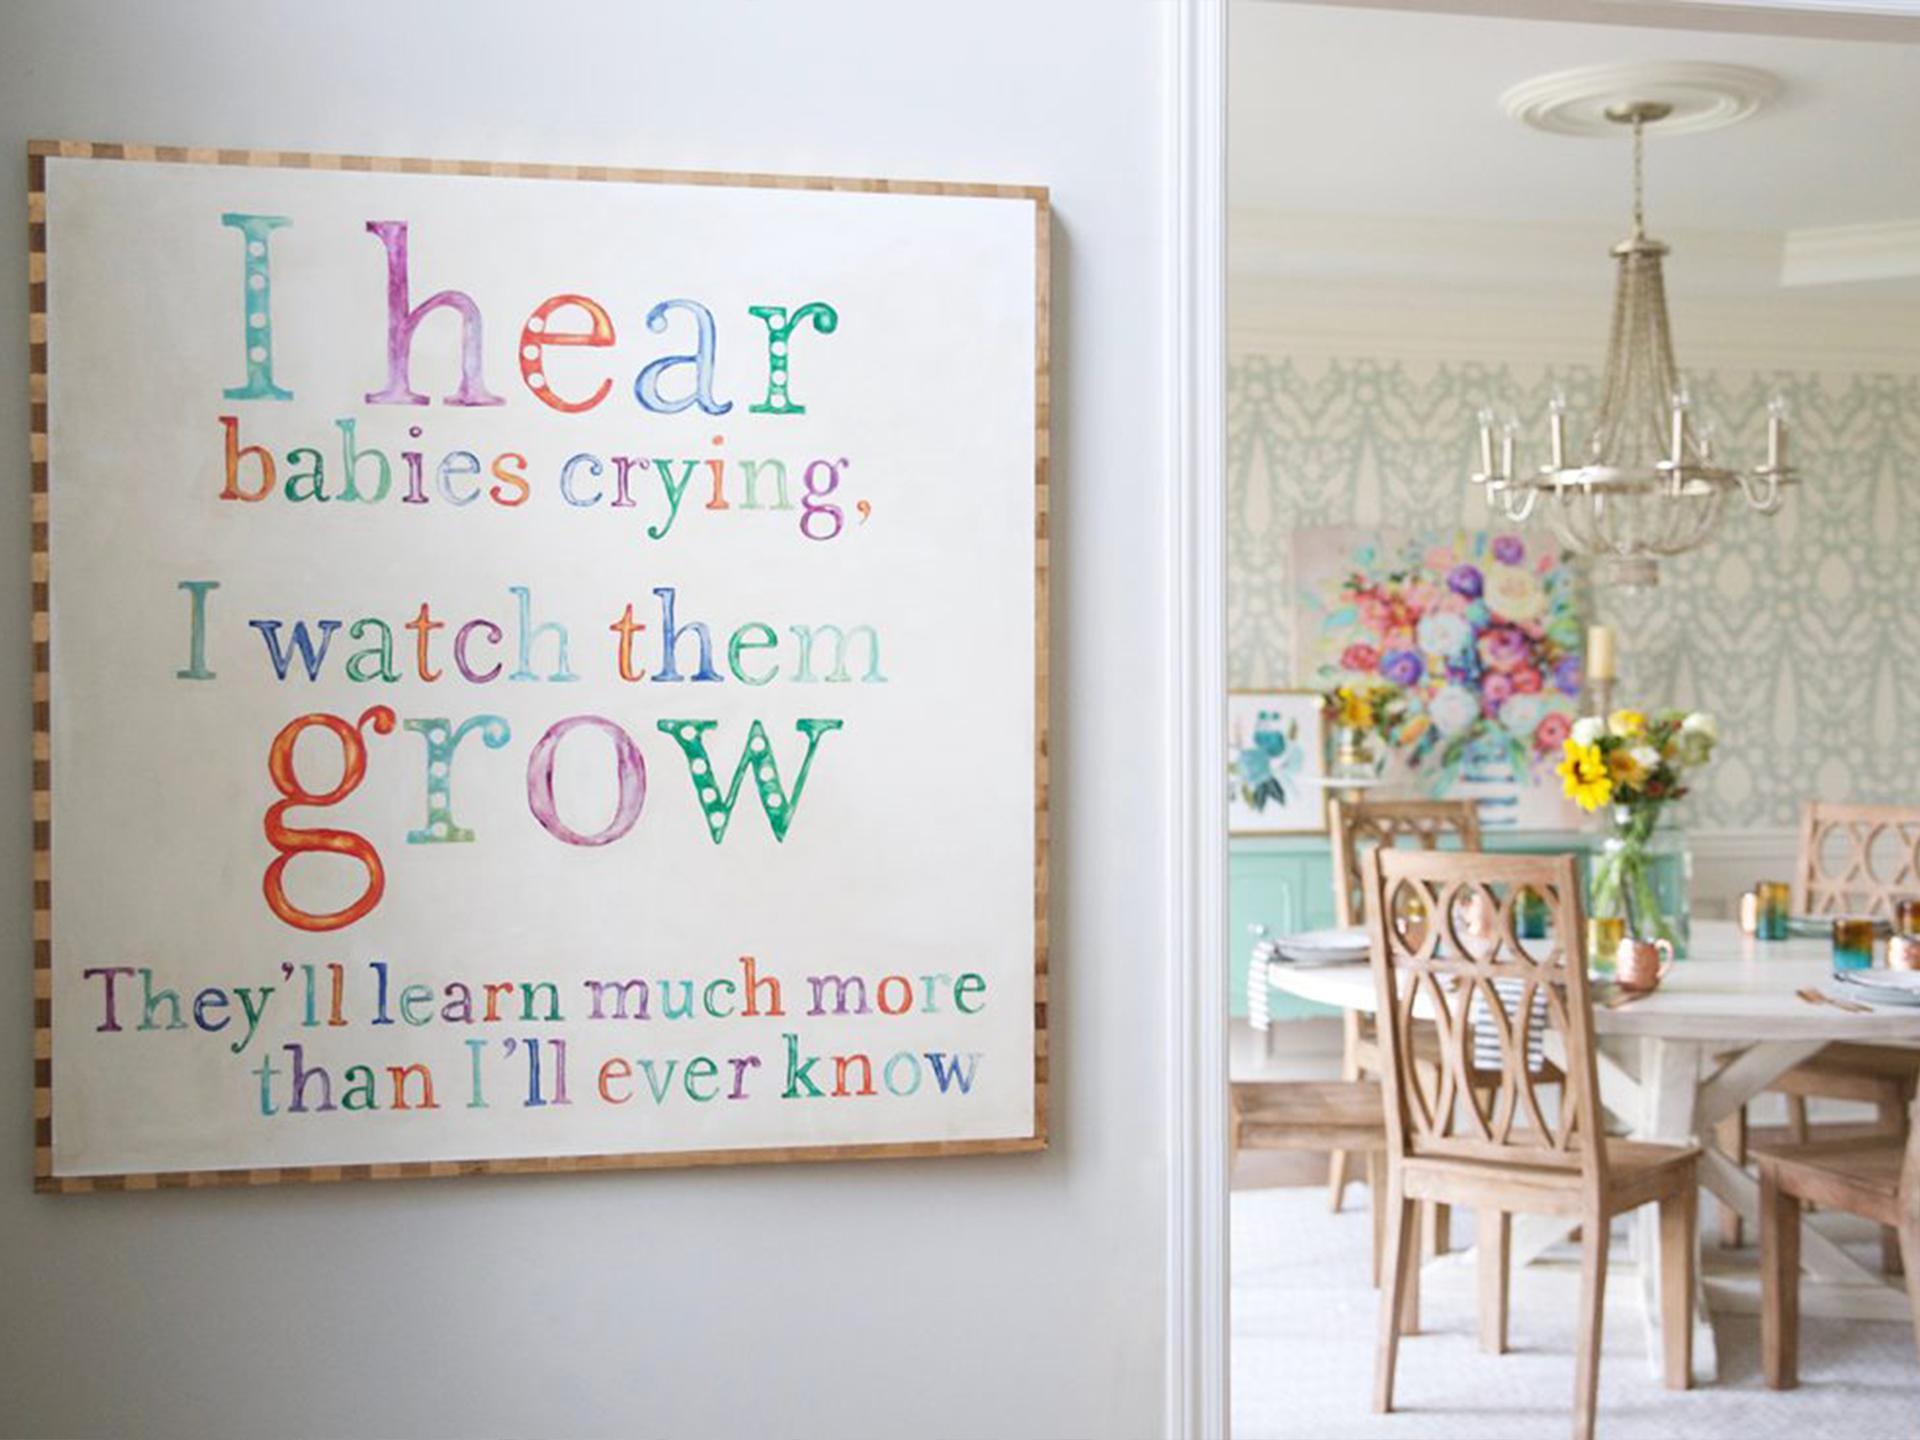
column 1004, row 1297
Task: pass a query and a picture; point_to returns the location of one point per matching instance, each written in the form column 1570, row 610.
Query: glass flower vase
column 1356, row 753
column 1644, row 875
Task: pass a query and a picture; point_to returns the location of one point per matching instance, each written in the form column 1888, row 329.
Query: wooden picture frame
column 1303, row 808
column 44, row 463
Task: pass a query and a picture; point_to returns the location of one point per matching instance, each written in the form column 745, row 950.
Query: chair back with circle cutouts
column 1856, row 859
column 1494, row 944
column 1362, row 825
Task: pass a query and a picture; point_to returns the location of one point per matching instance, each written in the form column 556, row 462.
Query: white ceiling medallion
column 1703, row 96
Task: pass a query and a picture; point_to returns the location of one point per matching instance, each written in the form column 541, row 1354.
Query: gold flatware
column 1820, row 997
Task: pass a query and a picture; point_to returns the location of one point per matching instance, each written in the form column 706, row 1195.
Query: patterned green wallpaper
column 1801, row 632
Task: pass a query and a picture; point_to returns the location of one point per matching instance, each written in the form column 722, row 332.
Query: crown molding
column 1475, row 290
column 1544, row 258
column 1873, row 20
column 1850, row 254
column 1411, row 325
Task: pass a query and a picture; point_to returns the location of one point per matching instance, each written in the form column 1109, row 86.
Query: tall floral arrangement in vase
column 1360, row 716
column 1635, row 767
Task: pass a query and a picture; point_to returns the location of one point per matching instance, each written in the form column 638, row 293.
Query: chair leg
column 1403, row 1255
column 1337, row 1179
column 1495, row 1246
column 1593, row 1308
column 1679, row 1223
column 1438, row 1227
column 1337, row 1176
column 1893, row 1121
column 1797, row 1119
column 1377, row 1206
column 1779, row 1283
column 1419, row 1216
column 1732, row 1134
column 1910, row 1245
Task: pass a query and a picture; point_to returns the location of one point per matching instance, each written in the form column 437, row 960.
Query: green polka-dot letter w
column 780, row 328
column 756, row 760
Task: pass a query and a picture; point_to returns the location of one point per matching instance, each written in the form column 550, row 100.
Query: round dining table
column 1725, row 1022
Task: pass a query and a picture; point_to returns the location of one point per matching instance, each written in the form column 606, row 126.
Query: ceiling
column 1378, row 113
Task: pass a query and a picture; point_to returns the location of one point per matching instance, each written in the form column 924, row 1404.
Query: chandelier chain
column 1639, row 180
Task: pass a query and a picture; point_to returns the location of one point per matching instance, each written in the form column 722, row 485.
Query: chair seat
column 1310, row 1115
column 1858, row 1176
column 1848, row 1071
column 1638, row 1171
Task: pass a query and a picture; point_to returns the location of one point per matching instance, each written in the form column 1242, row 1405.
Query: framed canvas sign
column 518, row 650
column 1479, row 630
column 1276, row 762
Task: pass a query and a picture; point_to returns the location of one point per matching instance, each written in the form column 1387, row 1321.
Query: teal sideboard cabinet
column 1282, row 884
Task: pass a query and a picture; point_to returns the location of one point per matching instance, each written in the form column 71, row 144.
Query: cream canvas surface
column 910, row 847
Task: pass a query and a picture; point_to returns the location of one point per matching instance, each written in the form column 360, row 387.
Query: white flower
column 1588, row 729
column 1514, row 594
column 1645, row 756
column 1701, row 723
column 1442, row 634
column 1453, row 709
column 1520, row 714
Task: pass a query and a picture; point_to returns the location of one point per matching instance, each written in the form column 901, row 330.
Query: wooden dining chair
column 1323, row 1116
column 1359, row 826
column 1445, row 944
column 1853, row 860
column 1877, row 1178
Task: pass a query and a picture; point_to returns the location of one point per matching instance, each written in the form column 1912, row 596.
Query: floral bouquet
column 1638, row 766
column 1481, row 638
column 1371, row 709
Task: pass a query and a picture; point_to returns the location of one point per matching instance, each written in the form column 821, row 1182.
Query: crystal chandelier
column 1649, row 485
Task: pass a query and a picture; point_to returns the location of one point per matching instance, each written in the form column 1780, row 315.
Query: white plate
column 1883, row 987
column 1907, row 981
column 1324, row 947
column 1350, row 937
column 1820, row 927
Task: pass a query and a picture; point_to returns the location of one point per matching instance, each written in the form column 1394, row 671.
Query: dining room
column 1573, row 776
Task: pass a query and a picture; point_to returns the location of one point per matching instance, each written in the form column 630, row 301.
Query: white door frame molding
column 1195, row 797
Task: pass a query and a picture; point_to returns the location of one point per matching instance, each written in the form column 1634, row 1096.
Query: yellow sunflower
column 1584, row 775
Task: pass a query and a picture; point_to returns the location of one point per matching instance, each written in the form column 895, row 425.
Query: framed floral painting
column 1482, row 632
column 1276, row 762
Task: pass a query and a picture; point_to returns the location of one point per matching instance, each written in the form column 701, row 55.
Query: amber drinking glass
column 1604, row 934
column 1852, row 944
column 1770, row 921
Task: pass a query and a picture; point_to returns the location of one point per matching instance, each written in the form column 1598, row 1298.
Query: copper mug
column 1642, row 964
column 1903, row 952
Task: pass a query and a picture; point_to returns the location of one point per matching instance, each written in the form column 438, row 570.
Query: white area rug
column 1303, row 1343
